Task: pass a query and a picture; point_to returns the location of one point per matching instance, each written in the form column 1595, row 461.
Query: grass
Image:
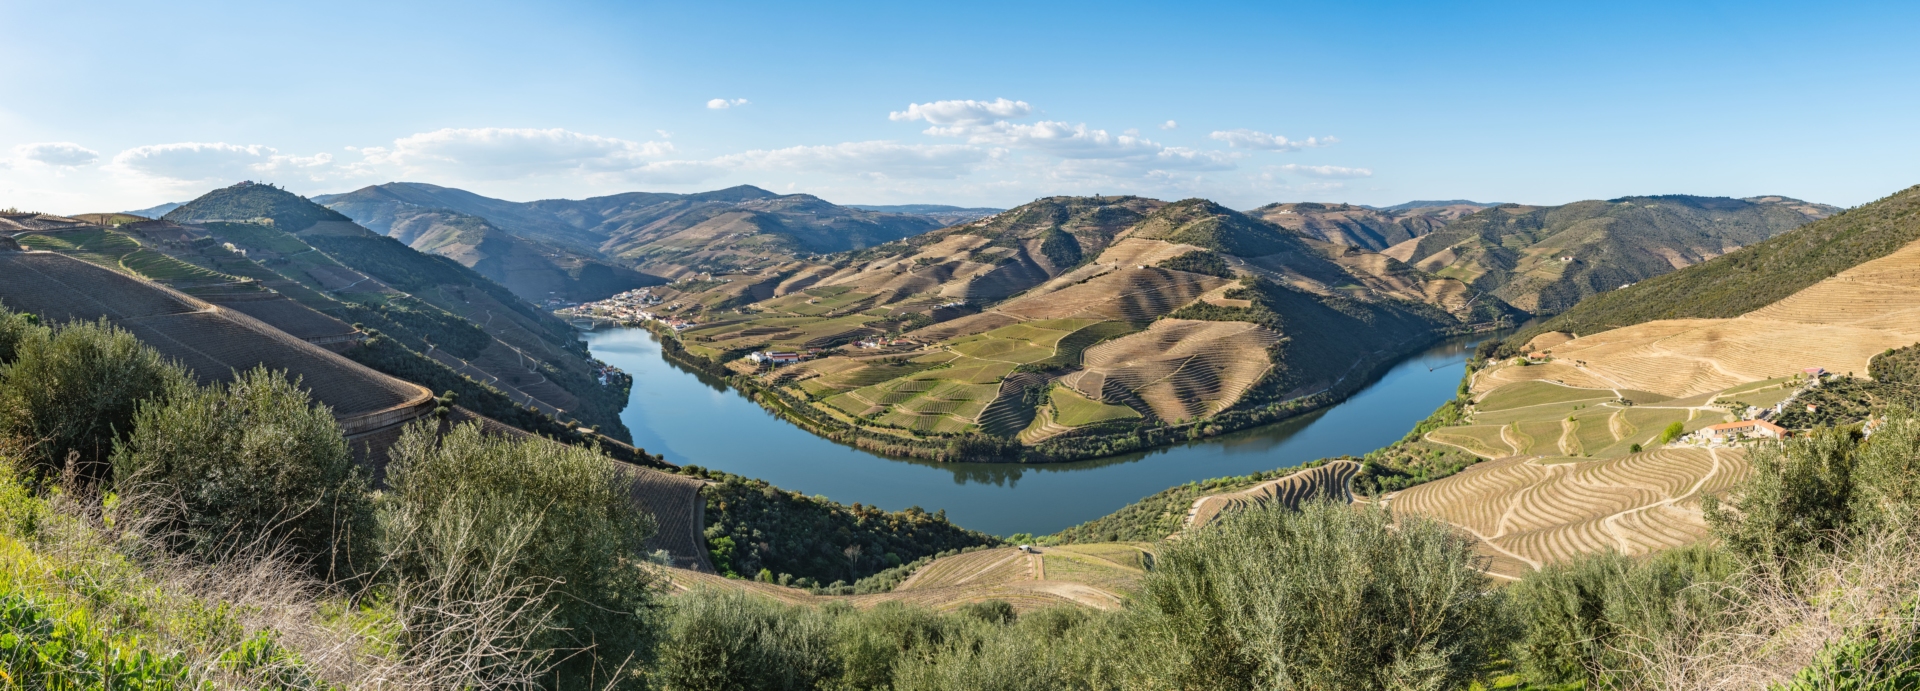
column 1074, row 410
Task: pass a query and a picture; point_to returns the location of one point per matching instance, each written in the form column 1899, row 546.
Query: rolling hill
column 535, row 270
column 1365, row 227
column 1750, row 278
column 446, row 322
column 946, row 215
column 1544, row 259
column 671, row 235
column 1067, row 327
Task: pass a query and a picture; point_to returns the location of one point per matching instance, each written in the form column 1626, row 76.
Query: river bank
column 693, row 417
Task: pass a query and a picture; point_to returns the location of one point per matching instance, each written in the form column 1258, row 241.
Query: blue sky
column 124, row 105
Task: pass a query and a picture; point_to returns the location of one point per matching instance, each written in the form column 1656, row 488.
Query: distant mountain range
column 950, row 215
column 1544, row 259
column 155, row 211
column 588, row 247
column 448, row 327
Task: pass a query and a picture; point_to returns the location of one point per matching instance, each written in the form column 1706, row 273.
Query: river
column 694, row 418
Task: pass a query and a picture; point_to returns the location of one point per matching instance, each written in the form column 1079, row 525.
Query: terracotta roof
column 1743, row 424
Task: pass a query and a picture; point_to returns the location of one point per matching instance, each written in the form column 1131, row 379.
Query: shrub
column 728, row 640
column 73, row 393
column 1672, row 432
column 1592, row 619
column 1327, row 597
column 474, row 521
column 16, row 327
column 249, row 465
column 1799, row 497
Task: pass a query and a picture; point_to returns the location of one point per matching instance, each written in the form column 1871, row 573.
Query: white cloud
column 495, row 153
column 723, row 104
column 1251, row 139
column 1331, row 172
column 197, row 161
column 968, row 112
column 1169, row 125
column 56, row 154
column 868, row 159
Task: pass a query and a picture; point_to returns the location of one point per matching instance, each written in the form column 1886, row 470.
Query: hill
column 447, row 322
column 1594, row 438
column 1364, row 227
column 672, row 235
column 1544, row 259
column 1751, row 277
column 251, row 202
column 535, row 270
column 1068, row 327
column 155, row 211
column 1429, row 203
column 946, row 215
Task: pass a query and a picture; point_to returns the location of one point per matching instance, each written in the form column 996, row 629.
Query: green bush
column 1330, row 596
column 16, row 327
column 1798, row 498
column 1593, row 619
column 73, row 393
column 1672, row 432
column 725, row 640
column 473, row 519
column 249, row 465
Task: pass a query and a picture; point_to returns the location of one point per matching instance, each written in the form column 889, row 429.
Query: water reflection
column 695, row 418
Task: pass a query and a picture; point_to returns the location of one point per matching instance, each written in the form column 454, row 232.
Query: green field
column 1536, row 393
column 116, row 250
column 1483, row 440
column 1073, row 410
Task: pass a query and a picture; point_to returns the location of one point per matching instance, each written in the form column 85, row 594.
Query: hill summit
column 250, row 201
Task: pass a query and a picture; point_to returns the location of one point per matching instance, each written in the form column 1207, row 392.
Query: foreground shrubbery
column 234, row 546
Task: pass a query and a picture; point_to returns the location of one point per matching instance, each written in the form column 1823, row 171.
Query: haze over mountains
column 586, row 246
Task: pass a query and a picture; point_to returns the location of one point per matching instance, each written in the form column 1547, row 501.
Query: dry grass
column 76, row 561
column 1836, row 324
column 1779, row 626
column 1532, row 512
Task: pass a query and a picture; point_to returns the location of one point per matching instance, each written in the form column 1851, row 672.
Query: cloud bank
column 56, row 154
column 1253, row 139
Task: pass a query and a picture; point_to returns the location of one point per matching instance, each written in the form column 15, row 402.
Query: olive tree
column 72, row 393
column 527, row 543
column 249, row 467
column 1330, row 596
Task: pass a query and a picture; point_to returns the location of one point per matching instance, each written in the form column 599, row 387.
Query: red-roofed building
column 1746, row 429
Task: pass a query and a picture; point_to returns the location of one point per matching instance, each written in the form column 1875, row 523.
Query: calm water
column 697, row 419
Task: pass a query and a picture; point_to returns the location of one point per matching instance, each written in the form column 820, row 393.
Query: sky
column 123, row 105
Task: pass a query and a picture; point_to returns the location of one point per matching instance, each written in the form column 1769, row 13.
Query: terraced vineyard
column 1180, row 369
column 1527, row 511
column 115, row 249
column 1333, row 480
column 1097, row 576
column 1566, row 478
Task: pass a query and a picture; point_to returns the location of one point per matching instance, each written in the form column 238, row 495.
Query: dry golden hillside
column 1567, row 476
